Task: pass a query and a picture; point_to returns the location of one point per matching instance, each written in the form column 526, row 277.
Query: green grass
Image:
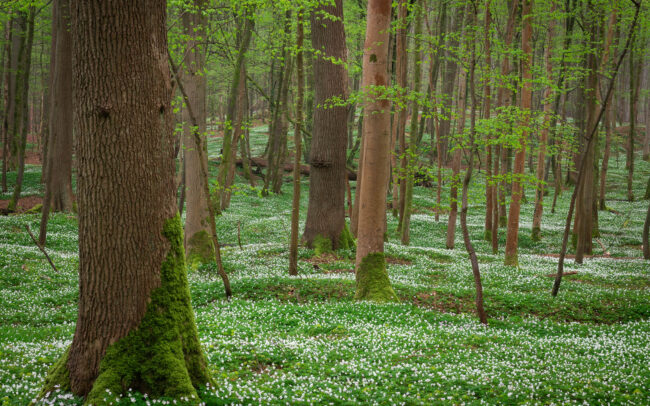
column 304, row 340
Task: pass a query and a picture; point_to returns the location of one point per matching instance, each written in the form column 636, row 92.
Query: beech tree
column 371, row 275
column 325, row 227
column 135, row 327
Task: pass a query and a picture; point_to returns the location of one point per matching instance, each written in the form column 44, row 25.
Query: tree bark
column 460, row 126
column 297, row 138
column 487, row 108
column 136, row 326
column 325, row 223
column 21, row 112
column 543, row 136
column 399, row 118
column 58, row 175
column 512, row 236
column 7, row 100
column 371, row 275
column 635, row 75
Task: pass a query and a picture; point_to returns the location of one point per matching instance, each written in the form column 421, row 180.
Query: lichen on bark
column 163, row 356
column 372, row 280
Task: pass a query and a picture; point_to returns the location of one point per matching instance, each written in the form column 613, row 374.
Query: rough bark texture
column 326, row 209
column 512, row 237
column 135, row 327
column 371, row 275
column 198, row 244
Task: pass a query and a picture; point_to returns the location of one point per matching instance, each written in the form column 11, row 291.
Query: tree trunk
column 635, row 75
column 198, row 244
column 325, row 227
column 5, row 83
column 371, row 275
column 607, row 119
column 543, row 137
column 412, row 152
column 512, row 236
column 460, row 126
column 297, row 138
column 487, row 99
column 58, row 178
column 136, row 326
column 398, row 139
column 644, row 238
column 584, row 202
column 21, row 113
column 234, row 118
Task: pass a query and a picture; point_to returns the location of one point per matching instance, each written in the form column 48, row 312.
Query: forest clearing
column 423, row 202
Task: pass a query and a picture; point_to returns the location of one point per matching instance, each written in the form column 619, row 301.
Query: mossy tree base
column 488, row 235
column 537, row 234
column 503, row 221
column 372, row 280
column 200, row 249
column 324, row 245
column 163, row 356
column 511, row 260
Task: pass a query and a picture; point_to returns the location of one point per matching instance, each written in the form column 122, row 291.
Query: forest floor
column 304, row 340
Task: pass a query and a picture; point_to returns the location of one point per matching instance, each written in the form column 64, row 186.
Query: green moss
column 536, row 234
column 346, row 239
column 488, row 235
column 162, row 357
column 36, row 209
column 503, row 221
column 511, row 260
column 372, row 280
column 200, row 249
column 321, row 245
column 58, row 377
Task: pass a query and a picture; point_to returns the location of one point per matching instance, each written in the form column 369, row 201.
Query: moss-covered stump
column 200, row 249
column 163, row 356
column 372, row 280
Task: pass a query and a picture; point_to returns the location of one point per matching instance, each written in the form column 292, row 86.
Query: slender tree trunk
column 412, row 151
column 646, row 139
column 371, row 275
column 297, row 138
column 398, row 139
column 7, row 100
column 504, row 98
column 136, row 326
column 512, row 237
column 21, row 114
column 487, row 100
column 229, row 147
column 635, row 76
column 325, row 227
column 607, row 119
column 58, row 185
column 198, row 242
column 460, row 126
column 468, row 176
column 644, row 237
column 584, row 223
column 543, row 138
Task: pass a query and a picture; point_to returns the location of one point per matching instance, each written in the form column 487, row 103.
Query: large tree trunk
column 198, row 244
column 325, row 224
column 543, row 136
column 371, row 275
column 5, row 83
column 58, row 175
column 512, row 236
column 136, row 326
